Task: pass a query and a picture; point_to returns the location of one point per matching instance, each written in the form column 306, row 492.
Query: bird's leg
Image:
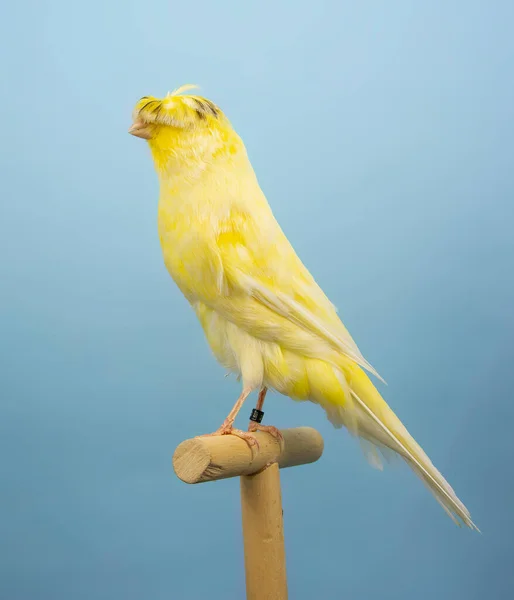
column 227, row 427
column 253, row 426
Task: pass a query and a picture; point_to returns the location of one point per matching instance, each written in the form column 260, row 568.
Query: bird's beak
column 141, row 130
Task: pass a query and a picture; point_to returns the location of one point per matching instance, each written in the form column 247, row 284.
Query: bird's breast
column 189, row 250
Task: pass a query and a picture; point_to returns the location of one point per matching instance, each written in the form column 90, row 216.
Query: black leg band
column 256, row 415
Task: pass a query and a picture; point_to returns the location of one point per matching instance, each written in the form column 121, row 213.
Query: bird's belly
column 263, row 363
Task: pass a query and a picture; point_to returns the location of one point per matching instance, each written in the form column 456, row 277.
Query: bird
column 262, row 312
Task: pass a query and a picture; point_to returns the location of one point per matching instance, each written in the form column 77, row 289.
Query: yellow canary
column 262, row 312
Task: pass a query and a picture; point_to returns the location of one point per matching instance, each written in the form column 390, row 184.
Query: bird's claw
column 228, row 429
column 273, row 431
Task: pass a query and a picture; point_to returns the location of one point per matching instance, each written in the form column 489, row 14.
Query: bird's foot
column 273, row 431
column 227, row 428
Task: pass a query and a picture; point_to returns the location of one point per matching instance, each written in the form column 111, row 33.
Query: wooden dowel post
column 211, row 458
column 263, row 535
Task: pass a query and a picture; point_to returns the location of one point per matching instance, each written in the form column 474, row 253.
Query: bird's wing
column 260, row 267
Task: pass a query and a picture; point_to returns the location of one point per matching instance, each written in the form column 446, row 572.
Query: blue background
column 382, row 134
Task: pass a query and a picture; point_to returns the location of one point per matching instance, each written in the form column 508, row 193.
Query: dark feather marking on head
column 212, row 108
column 205, row 106
column 200, row 111
column 199, row 103
column 148, row 104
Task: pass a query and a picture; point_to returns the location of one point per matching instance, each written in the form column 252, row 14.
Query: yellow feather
column 263, row 314
column 183, row 88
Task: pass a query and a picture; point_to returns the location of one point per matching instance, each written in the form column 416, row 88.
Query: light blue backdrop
column 382, row 133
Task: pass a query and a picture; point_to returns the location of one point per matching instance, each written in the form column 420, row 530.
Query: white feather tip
column 183, row 88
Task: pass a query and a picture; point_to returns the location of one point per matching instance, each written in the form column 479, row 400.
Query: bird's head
column 183, row 131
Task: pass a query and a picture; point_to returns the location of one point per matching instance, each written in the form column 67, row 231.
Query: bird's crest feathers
column 177, row 109
column 183, row 88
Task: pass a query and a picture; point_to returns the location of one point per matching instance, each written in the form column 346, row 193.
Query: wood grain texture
column 263, row 533
column 211, row 458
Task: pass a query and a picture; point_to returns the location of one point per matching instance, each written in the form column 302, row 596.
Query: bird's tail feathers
column 383, row 436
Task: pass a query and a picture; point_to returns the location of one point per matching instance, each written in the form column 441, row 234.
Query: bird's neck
column 202, row 172
column 182, row 157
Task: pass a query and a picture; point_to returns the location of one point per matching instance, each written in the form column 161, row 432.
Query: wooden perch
column 218, row 457
column 263, row 536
